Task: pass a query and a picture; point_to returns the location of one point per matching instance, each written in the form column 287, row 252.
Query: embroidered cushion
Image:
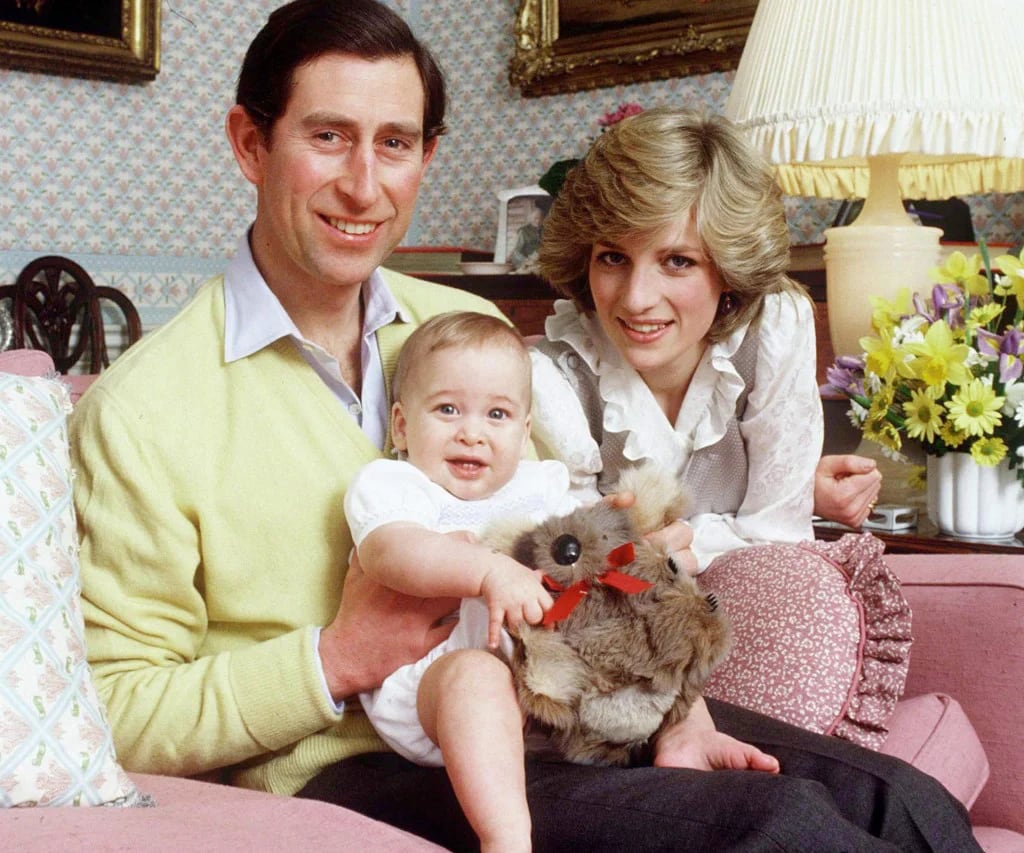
column 55, row 744
column 821, row 635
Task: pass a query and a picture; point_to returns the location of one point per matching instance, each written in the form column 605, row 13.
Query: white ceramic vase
column 971, row 500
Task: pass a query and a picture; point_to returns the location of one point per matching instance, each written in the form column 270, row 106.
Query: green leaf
column 551, row 181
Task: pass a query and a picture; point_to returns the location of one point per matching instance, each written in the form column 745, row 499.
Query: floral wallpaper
column 137, row 182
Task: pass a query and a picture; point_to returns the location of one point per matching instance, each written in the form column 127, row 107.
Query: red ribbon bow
column 573, row 595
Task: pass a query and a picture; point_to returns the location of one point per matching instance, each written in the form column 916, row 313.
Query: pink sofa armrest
column 969, row 644
column 79, row 383
column 31, row 362
column 193, row 815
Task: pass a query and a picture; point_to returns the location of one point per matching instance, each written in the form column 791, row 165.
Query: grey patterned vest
column 715, row 477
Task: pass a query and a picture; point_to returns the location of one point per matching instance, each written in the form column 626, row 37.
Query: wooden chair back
column 58, row 308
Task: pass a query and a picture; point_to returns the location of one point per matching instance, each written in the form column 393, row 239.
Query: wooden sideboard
column 525, row 299
column 925, row 538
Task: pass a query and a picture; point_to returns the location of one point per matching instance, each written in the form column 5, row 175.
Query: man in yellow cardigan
column 213, row 458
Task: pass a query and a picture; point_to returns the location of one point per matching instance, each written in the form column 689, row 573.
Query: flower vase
column 974, row 501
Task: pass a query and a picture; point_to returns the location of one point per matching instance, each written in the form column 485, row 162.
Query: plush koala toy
column 630, row 641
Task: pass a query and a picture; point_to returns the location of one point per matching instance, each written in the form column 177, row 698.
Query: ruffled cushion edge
column 852, row 696
column 887, row 638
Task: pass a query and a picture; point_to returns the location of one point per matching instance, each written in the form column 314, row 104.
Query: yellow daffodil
column 917, row 478
column 882, row 358
column 989, row 451
column 924, row 414
column 975, row 408
column 940, row 359
column 885, row 314
column 1012, row 268
column 963, row 271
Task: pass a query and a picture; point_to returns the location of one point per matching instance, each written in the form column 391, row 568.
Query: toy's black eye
column 672, row 567
column 566, row 549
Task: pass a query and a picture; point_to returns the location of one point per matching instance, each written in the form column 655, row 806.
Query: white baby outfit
column 386, row 491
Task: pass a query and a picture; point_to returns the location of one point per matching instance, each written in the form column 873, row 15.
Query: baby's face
column 464, row 418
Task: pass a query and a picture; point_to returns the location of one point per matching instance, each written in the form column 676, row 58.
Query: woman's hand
column 674, row 539
column 846, row 488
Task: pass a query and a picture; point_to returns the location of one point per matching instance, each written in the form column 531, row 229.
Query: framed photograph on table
column 113, row 39
column 521, row 217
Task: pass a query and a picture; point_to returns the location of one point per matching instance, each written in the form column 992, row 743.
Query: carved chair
column 58, row 308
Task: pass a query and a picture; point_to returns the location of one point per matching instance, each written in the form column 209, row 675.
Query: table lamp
column 883, row 100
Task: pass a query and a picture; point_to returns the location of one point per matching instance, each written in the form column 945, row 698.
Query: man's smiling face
column 337, row 181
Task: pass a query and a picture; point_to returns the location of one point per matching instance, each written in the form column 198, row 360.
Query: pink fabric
column 932, row 732
column 26, row 362
column 33, row 362
column 969, row 643
column 192, row 815
column 994, row 840
column 79, row 384
column 821, row 635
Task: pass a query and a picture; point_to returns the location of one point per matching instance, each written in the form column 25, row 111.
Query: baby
column 461, row 417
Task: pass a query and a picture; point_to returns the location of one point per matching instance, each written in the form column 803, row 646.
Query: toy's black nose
column 566, row 549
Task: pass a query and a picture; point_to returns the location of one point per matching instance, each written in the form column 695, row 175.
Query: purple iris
column 1008, row 347
column 846, row 376
column 944, row 307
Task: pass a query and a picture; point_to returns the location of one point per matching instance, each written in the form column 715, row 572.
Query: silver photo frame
column 521, row 216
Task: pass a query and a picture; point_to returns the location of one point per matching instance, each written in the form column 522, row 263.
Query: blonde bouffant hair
column 642, row 174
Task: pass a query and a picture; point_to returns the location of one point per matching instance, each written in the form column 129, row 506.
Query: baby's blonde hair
column 459, row 330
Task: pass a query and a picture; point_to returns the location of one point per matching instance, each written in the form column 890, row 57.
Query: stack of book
column 432, row 259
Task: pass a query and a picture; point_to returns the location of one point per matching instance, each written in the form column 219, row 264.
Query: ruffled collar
column 629, row 405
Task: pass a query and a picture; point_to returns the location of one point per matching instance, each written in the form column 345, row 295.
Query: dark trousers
column 830, row 796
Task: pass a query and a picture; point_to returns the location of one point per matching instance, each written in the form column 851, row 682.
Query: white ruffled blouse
column 781, row 426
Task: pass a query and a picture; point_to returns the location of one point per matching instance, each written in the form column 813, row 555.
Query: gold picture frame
column 570, row 45
column 112, row 39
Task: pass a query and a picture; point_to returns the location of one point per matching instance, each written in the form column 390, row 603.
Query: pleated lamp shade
column 883, row 100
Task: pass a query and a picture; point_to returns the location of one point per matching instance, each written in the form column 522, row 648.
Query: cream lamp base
column 882, row 252
column 873, row 260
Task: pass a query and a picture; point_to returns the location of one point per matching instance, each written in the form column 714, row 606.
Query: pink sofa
column 968, row 643
column 192, row 815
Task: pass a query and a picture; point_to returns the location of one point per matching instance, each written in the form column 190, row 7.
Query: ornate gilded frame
column 697, row 40
column 134, row 56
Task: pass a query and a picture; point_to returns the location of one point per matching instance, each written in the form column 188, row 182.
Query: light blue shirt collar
column 254, row 319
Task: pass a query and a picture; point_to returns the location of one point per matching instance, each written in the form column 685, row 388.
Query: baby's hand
column 514, row 594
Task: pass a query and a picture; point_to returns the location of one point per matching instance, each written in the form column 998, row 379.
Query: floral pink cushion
column 821, row 635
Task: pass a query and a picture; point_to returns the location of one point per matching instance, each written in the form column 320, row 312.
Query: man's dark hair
column 303, row 30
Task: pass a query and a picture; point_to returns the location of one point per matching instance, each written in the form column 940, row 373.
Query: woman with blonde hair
column 683, row 342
